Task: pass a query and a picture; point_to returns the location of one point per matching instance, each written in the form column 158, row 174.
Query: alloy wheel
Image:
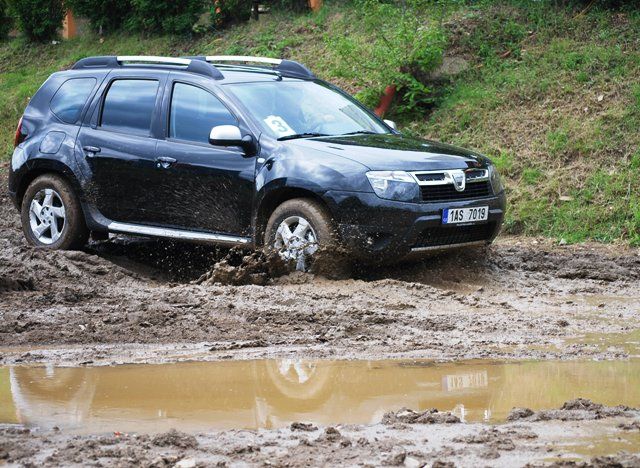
column 296, row 241
column 47, row 216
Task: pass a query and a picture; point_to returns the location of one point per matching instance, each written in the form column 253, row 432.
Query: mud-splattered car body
column 151, row 183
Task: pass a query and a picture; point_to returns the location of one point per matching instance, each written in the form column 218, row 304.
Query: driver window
column 194, row 112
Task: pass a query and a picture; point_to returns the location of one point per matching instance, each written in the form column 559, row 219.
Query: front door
column 210, row 188
column 119, row 150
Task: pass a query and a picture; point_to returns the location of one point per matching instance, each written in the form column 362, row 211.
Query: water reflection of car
column 242, row 151
column 273, row 393
column 247, row 394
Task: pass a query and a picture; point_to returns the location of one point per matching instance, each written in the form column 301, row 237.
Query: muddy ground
column 135, row 300
column 128, row 300
column 405, row 438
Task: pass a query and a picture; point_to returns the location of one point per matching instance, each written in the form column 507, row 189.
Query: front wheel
column 300, row 231
column 51, row 215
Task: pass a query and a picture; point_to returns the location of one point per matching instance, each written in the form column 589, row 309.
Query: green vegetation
column 104, row 15
column 6, row 21
column 39, row 20
column 170, row 17
column 551, row 93
column 390, row 45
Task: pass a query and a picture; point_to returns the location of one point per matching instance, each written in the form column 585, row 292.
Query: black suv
column 241, row 151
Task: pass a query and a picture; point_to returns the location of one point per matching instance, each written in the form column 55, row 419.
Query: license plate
column 476, row 214
column 462, row 381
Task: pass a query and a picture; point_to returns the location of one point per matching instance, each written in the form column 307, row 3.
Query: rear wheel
column 52, row 216
column 300, row 231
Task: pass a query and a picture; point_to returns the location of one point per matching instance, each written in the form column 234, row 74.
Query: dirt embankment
column 137, row 300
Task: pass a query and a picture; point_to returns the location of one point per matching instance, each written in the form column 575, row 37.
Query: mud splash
column 238, row 267
column 275, row 393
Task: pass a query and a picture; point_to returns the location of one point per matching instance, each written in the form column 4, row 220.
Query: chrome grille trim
column 447, row 176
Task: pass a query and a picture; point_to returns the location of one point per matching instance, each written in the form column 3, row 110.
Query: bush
column 6, row 21
column 230, row 12
column 39, row 20
column 105, row 15
column 165, row 16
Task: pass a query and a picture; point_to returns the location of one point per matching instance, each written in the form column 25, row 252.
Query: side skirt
column 125, row 228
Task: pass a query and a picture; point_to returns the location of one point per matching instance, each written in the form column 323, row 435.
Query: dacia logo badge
column 459, row 180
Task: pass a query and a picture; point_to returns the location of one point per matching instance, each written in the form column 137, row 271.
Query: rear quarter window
column 71, row 97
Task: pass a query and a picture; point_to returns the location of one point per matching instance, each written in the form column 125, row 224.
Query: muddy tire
column 302, row 232
column 51, row 215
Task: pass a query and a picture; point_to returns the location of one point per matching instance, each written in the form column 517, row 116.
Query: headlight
column 496, row 182
column 394, row 185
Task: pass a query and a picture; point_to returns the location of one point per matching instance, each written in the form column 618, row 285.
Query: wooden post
column 69, row 30
column 315, row 5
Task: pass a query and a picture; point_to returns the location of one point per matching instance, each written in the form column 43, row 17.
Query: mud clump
column 16, row 284
column 238, row 268
column 632, row 426
column 430, row 416
column 621, row 460
column 333, row 263
column 495, row 440
column 579, row 409
column 300, row 426
column 175, row 438
column 519, row 413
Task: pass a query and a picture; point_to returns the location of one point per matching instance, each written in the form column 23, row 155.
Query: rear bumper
column 377, row 230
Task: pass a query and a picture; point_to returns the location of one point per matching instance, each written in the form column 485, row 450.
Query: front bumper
column 377, row 230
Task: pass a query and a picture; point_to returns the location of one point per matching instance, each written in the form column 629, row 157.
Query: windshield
column 288, row 109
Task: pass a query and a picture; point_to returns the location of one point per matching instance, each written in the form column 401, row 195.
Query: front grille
column 432, row 193
column 430, row 176
column 449, row 235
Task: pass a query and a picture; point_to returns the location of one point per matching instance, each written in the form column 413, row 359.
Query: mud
column 132, row 300
column 129, row 300
column 418, row 443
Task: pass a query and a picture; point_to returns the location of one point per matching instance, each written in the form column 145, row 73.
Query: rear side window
column 71, row 97
column 194, row 112
column 128, row 106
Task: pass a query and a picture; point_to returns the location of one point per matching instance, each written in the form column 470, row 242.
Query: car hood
column 394, row 152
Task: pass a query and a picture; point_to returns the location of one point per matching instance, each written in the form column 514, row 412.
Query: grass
column 553, row 97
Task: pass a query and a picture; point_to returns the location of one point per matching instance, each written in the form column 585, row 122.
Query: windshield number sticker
column 279, row 126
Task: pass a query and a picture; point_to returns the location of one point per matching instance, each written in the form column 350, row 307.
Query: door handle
column 164, row 162
column 91, row 150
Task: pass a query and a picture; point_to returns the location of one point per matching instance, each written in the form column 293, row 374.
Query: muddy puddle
column 274, row 393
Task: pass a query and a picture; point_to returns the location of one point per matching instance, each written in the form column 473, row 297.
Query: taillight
column 20, row 137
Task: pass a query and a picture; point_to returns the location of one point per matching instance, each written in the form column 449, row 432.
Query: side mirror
column 391, row 124
column 229, row 135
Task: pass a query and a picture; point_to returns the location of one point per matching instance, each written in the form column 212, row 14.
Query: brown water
column 273, row 393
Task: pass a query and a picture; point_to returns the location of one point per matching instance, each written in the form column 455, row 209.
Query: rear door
column 208, row 187
column 118, row 147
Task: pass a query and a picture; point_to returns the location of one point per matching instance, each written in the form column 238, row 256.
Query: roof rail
column 288, row 68
column 111, row 61
column 243, row 58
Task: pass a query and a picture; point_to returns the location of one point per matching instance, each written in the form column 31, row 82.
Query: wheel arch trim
column 273, row 195
column 39, row 167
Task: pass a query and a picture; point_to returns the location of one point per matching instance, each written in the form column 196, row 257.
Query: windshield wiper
column 360, row 132
column 301, row 135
